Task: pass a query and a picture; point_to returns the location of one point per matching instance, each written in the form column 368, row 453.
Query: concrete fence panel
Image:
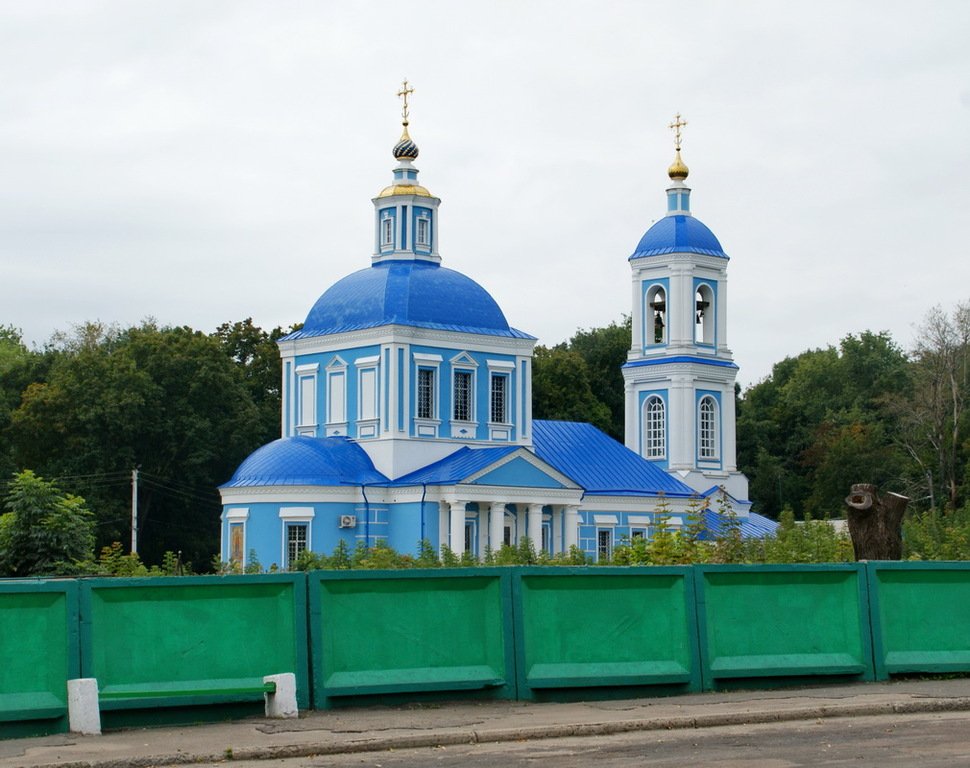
column 765, row 624
column 605, row 632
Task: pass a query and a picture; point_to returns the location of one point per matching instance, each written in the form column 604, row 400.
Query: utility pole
column 134, row 511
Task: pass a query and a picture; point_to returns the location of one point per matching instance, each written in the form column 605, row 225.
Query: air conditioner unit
column 348, row 521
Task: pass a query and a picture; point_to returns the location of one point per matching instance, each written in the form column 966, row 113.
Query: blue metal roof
column 753, row 526
column 412, row 293
column 598, row 463
column 678, row 234
column 307, row 461
column 680, row 359
column 455, row 467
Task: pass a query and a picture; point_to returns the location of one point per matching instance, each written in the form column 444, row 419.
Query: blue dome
column 678, row 234
column 413, row 293
column 306, row 461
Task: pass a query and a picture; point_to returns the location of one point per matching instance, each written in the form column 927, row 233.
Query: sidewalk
column 381, row 728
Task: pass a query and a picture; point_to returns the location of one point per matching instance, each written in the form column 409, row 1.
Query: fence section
column 920, row 619
column 617, row 629
column 776, row 622
column 170, row 642
column 38, row 655
column 411, row 632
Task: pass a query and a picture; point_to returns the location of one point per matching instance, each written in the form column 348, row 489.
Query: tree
column 561, row 388
column 605, row 351
column 167, row 400
column 43, row 528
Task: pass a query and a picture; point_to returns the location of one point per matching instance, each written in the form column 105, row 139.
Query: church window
column 336, row 409
column 421, row 232
column 655, row 428
column 462, row 392
column 707, row 428
column 704, row 315
column 296, row 542
column 498, row 410
column 368, row 393
column 655, row 327
column 426, row 378
column 308, row 390
column 387, row 232
column 604, row 544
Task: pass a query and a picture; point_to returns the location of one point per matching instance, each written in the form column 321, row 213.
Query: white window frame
column 427, row 426
column 704, row 330
column 422, row 239
column 708, row 429
column 387, row 230
column 290, row 516
column 654, row 290
column 654, row 428
column 237, row 516
column 463, row 374
column 307, row 397
column 368, row 420
column 609, row 545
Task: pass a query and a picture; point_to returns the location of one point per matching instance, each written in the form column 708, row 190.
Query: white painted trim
column 606, row 520
column 307, row 368
column 423, row 357
column 238, row 515
column 296, row 514
column 501, row 365
column 636, row 520
column 363, row 362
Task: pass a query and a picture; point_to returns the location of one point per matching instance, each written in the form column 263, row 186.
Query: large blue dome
column 412, row 293
column 306, row 461
column 678, row 234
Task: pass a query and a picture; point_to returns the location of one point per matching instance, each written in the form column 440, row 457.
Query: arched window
column 704, row 315
column 654, row 428
column 655, row 314
column 707, row 429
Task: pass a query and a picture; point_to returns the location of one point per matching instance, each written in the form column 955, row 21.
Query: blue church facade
column 407, row 408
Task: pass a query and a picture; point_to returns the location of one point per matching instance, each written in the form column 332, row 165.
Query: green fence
column 170, row 642
column 763, row 624
column 920, row 617
column 616, row 629
column 38, row 655
column 157, row 645
column 411, row 632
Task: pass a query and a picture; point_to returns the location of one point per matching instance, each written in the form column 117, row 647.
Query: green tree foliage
column 605, row 351
column 256, row 353
column 562, row 388
column 18, row 368
column 43, row 530
column 822, row 421
column 167, row 400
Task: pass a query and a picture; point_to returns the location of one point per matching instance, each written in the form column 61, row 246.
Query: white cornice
column 403, row 334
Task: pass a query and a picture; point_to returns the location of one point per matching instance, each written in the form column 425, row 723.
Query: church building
column 407, row 406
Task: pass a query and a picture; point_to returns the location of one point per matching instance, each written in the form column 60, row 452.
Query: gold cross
column 675, row 127
column 405, row 91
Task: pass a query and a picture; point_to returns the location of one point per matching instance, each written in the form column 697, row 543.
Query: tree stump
column 876, row 522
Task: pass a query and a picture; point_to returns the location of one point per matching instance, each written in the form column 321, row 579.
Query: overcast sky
column 201, row 162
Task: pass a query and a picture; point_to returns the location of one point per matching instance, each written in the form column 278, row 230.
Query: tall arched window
column 707, row 428
column 655, row 314
column 654, row 428
column 704, row 315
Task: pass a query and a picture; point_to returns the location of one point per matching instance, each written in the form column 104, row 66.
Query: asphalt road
column 923, row 740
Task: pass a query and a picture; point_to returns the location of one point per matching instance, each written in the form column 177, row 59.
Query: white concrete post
column 83, row 713
column 283, row 702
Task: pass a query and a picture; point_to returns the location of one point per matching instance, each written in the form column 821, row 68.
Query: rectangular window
column 296, row 543
column 507, row 536
column 387, row 231
column 604, row 544
column 637, row 533
column 462, row 396
column 421, row 233
column 308, row 389
column 337, row 403
column 425, row 393
column 368, row 393
column 237, row 543
column 547, row 538
column 499, row 400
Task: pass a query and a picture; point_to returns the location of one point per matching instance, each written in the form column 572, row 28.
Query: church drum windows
column 462, row 396
column 707, row 430
column 426, row 387
column 654, row 428
column 387, row 232
column 498, row 399
column 704, row 313
column 422, row 232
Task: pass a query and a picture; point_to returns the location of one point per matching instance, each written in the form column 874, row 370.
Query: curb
column 451, row 738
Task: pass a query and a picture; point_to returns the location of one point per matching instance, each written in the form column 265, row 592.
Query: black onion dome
column 405, row 149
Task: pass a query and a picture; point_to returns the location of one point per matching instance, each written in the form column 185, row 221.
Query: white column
column 496, row 525
column 557, row 545
column 572, row 526
column 457, row 542
column 535, row 526
column 444, row 523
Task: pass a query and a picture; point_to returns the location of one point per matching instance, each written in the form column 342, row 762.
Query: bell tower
column 679, row 375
